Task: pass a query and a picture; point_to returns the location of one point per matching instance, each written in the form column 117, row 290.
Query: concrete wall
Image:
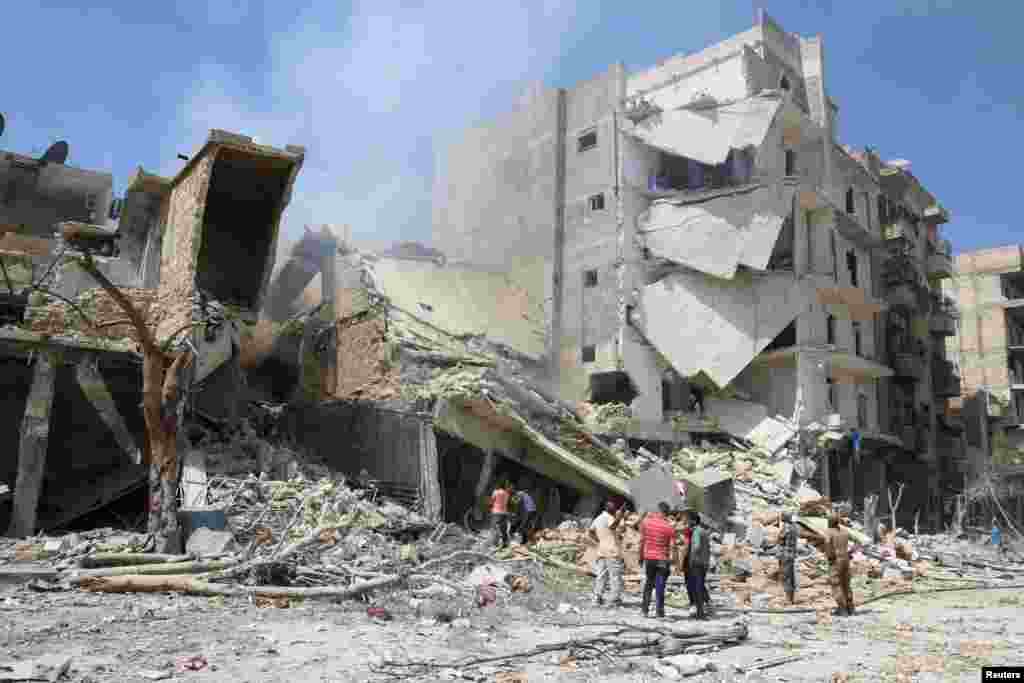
column 699, row 67
column 354, row 436
column 590, row 314
column 37, row 197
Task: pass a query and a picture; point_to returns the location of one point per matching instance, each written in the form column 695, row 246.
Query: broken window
column 681, row 173
column 239, row 224
column 590, row 278
column 851, row 207
column 611, row 387
column 589, row 353
column 782, row 253
column 597, row 202
column 851, row 266
column 790, row 162
column 857, row 338
column 586, row 141
column 784, row 340
column 862, row 411
column 830, row 329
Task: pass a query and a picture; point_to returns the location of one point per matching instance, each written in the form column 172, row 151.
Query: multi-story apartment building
column 989, row 287
column 696, row 224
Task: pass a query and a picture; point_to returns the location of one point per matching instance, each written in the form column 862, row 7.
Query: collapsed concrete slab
column 718, row 234
column 708, row 134
column 727, row 322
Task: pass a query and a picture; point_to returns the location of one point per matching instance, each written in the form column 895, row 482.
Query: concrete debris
column 50, row 668
column 207, row 543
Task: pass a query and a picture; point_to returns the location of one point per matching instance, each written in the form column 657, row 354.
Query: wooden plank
column 35, row 436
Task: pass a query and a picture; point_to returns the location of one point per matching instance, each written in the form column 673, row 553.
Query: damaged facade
column 428, row 378
column 198, row 248
column 989, row 289
column 698, row 225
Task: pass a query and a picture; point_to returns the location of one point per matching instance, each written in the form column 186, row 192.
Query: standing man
column 609, row 565
column 788, row 556
column 698, row 559
column 837, row 549
column 527, row 515
column 657, row 540
column 499, row 512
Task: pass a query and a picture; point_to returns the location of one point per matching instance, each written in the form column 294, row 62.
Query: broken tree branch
column 141, row 328
column 894, row 505
column 120, row 559
column 166, row 568
column 196, row 586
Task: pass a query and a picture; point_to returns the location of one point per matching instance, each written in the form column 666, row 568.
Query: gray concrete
column 35, row 433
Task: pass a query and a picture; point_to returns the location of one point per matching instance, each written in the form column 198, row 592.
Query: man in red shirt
column 657, row 540
column 499, row 512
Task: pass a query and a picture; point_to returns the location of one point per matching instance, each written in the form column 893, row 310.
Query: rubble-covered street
column 648, row 375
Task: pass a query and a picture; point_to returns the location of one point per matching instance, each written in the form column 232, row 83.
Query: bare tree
column 894, row 505
column 871, row 516
column 164, row 383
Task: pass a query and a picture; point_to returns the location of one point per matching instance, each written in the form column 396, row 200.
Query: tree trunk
column 162, row 409
column 871, row 517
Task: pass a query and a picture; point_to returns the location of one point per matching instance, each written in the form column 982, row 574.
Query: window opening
column 790, row 162
column 590, row 278
column 597, row 202
column 830, row 329
column 784, row 83
column 586, row 141
column 850, row 206
column 862, row 411
column 589, row 353
column 851, row 266
column 857, row 339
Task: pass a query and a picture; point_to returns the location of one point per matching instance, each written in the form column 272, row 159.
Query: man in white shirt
column 609, row 564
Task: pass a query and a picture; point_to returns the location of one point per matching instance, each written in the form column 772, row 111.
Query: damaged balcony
column 240, row 224
column 945, row 378
column 903, row 285
column 940, row 259
column 716, row 234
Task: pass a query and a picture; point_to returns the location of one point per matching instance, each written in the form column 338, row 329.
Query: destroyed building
column 429, row 378
column 698, row 225
column 197, row 248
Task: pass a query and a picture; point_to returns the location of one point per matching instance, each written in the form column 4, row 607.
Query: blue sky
column 368, row 87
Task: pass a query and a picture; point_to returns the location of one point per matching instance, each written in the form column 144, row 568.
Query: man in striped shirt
column 657, row 541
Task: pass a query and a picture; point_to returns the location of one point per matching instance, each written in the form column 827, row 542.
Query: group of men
column 502, row 501
column 662, row 545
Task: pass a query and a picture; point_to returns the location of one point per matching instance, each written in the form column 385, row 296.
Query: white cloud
column 364, row 92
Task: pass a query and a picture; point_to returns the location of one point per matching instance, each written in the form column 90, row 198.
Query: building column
column 95, row 389
column 430, row 473
column 328, row 294
column 826, row 474
column 35, row 436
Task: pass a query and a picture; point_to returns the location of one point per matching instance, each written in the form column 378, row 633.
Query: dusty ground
column 945, row 636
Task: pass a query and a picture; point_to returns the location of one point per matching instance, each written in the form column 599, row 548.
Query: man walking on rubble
column 697, row 560
column 788, row 556
column 499, row 512
column 609, row 566
column 527, row 515
column 657, row 541
column 837, row 549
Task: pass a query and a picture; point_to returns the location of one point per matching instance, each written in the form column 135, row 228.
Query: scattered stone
column 204, row 542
